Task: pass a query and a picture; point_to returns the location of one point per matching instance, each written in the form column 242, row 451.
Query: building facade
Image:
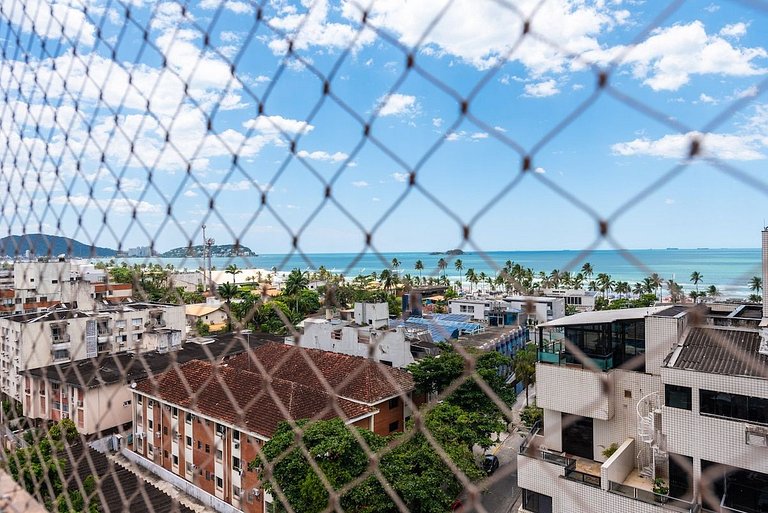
column 200, row 437
column 680, row 394
column 64, row 334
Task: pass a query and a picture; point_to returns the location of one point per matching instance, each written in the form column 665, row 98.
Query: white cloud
column 360, row 184
column 667, row 59
column 127, row 185
column 749, row 92
column 480, row 33
column 277, row 125
column 190, row 194
column 232, row 5
column 540, row 170
column 437, row 122
column 59, row 21
column 397, row 104
column 712, row 8
column 479, row 135
column 669, row 201
column 119, row 205
column 400, row 177
column 735, row 30
column 313, row 28
column 676, row 146
column 229, row 36
column 455, row 136
column 705, row 98
column 541, row 89
column 499, row 129
column 323, row 156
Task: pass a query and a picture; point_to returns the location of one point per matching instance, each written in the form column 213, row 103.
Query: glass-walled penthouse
column 610, row 339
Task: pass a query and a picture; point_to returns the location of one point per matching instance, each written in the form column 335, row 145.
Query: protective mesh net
column 142, row 126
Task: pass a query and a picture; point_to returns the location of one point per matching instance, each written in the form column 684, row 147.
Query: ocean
column 728, row 269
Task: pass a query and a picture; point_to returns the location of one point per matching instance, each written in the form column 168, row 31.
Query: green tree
column 696, row 278
column 587, row 270
column 441, row 265
column 395, row 264
column 202, row 328
column 228, row 291
column 712, row 291
column 459, row 265
column 756, row 284
column 234, row 271
column 419, row 266
column 296, row 281
column 524, row 364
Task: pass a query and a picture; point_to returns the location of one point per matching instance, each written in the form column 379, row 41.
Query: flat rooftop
column 608, row 316
column 126, row 367
column 721, row 350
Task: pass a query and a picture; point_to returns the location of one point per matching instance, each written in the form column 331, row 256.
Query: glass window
column 536, row 502
column 394, row 402
column 677, row 397
column 734, row 406
column 758, row 410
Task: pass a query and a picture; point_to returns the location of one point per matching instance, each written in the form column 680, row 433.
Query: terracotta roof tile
column 223, row 390
column 352, row 377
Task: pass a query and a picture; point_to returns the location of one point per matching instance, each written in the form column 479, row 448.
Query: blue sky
column 95, row 127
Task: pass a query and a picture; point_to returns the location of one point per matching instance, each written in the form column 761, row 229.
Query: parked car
column 490, row 463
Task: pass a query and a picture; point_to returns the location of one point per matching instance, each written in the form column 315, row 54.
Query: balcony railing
column 60, row 339
column 582, row 477
column 664, row 501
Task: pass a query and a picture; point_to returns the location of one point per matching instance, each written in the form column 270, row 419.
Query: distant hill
column 218, row 250
column 43, row 245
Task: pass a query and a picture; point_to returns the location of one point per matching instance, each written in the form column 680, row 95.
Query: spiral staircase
column 651, row 454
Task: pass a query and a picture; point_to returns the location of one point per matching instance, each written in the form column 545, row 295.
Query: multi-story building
column 95, row 392
column 678, row 395
column 64, row 334
column 581, row 300
column 207, row 431
column 368, row 335
column 510, row 309
column 38, row 285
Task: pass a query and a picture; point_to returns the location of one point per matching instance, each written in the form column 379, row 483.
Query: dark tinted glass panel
column 536, row 502
column 758, row 410
column 677, row 397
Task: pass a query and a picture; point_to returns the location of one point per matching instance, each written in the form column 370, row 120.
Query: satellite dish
column 133, row 384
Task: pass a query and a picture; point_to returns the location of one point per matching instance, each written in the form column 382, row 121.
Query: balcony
column 645, row 494
column 104, row 338
column 60, row 339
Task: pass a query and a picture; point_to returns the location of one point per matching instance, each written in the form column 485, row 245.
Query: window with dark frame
column 676, row 396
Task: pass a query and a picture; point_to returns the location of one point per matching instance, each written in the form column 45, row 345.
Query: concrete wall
column 620, row 464
column 661, row 335
column 468, row 307
column 107, row 407
column 575, row 390
column 380, row 345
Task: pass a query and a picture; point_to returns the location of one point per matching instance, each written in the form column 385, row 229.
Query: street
column 502, row 495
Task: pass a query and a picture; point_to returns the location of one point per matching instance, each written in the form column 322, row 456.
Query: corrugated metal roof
column 727, row 351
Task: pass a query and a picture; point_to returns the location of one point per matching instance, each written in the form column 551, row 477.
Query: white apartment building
column 581, row 300
column 681, row 392
column 64, row 334
column 367, row 335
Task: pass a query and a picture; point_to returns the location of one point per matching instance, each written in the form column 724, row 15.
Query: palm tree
column 441, row 265
column 459, row 265
column 482, row 276
column 656, row 281
column 675, row 290
column 387, row 279
column 395, row 263
column 648, row 286
column 696, row 277
column 605, row 282
column 587, row 270
column 554, row 277
column 227, row 291
column 471, row 278
column 234, row 271
column 578, row 281
column 712, row 291
column 419, row 267
column 296, row 281
column 756, row 284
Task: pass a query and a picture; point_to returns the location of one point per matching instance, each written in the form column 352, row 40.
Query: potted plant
column 608, row 451
column 660, row 489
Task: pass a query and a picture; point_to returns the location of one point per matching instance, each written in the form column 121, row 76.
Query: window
column 220, row 429
column 150, row 424
column 219, row 482
column 175, row 460
column 61, row 354
column 188, row 417
column 235, row 463
column 139, row 399
column 394, row 402
column 393, row 426
column 219, row 454
column 677, row 397
column 189, row 441
column 235, row 435
column 536, row 502
column 120, row 324
column 207, row 448
column 175, row 412
column 199, row 444
column 55, row 386
column 165, row 454
column 207, row 475
column 165, row 430
column 237, row 491
column 136, row 323
column 189, row 467
column 734, row 406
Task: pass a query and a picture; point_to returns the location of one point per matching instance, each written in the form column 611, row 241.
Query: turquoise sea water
column 728, row 269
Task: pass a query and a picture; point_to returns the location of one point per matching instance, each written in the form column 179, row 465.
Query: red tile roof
column 352, row 377
column 220, row 391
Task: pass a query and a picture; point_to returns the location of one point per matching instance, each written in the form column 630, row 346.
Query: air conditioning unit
column 237, row 445
column 255, row 492
column 65, row 415
column 157, row 435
